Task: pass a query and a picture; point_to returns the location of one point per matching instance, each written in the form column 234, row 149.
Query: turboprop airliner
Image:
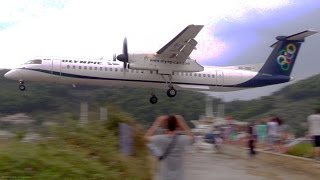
column 169, row 68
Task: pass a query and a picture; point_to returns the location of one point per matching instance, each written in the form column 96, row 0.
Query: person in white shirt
column 171, row 145
column 272, row 126
column 314, row 131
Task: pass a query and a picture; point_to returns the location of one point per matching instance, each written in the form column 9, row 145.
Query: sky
column 235, row 32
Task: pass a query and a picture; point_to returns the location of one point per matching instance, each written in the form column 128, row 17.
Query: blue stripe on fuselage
column 258, row 81
column 264, row 80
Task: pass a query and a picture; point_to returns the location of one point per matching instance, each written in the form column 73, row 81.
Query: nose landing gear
column 22, row 87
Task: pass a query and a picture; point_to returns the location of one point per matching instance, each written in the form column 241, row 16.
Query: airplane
column 169, row 68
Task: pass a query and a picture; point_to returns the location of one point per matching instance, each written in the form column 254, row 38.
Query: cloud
column 96, row 28
column 235, row 32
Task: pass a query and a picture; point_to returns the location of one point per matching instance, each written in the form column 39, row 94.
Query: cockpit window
column 35, row 61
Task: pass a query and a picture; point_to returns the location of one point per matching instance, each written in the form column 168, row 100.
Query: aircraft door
column 56, row 69
column 219, row 78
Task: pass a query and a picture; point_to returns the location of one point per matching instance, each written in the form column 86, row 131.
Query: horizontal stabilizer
column 295, row 37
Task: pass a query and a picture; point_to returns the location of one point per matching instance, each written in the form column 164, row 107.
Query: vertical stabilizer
column 284, row 54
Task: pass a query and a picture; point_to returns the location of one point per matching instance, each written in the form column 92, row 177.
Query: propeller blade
column 114, row 57
column 124, row 57
column 125, row 47
column 125, row 65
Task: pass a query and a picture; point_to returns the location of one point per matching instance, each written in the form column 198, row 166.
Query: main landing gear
column 171, row 92
column 22, row 87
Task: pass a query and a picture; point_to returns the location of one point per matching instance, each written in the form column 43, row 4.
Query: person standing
column 272, row 126
column 262, row 132
column 171, row 145
column 252, row 138
column 314, row 132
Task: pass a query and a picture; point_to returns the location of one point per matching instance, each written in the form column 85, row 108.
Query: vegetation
column 73, row 151
column 302, row 150
column 49, row 102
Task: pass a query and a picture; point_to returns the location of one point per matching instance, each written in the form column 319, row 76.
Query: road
column 211, row 166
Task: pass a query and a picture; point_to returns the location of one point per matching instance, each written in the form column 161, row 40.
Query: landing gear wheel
column 153, row 99
column 22, row 87
column 171, row 92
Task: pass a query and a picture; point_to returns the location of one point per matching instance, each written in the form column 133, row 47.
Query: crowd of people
column 269, row 133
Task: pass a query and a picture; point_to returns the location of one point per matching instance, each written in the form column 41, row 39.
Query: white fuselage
column 111, row 73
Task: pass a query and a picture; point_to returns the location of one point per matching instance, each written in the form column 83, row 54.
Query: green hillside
column 56, row 102
column 293, row 103
column 51, row 101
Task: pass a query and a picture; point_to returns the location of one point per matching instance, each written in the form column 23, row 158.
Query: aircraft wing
column 180, row 47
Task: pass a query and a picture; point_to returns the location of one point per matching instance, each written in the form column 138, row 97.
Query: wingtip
column 313, row 31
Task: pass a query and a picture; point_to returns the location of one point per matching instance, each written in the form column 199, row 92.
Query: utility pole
column 209, row 108
column 104, row 113
column 83, row 113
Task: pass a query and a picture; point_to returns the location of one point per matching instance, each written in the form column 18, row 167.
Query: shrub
column 302, row 150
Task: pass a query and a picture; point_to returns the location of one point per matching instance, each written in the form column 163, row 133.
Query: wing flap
column 186, row 50
column 181, row 46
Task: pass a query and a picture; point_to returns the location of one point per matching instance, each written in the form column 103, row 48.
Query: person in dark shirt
column 252, row 137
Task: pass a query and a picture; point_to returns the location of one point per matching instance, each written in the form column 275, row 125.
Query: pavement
column 208, row 165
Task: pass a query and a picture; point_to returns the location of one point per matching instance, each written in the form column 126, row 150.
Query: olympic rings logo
column 285, row 59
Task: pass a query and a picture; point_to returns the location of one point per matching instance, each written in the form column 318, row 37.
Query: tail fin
column 284, row 54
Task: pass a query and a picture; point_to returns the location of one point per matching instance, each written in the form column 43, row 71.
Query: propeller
column 114, row 57
column 124, row 57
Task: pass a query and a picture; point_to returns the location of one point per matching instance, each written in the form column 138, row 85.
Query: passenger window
column 106, row 69
column 74, row 67
column 85, row 67
column 137, row 71
column 151, row 72
column 116, row 69
column 121, row 70
column 100, row 68
column 80, row 67
column 68, row 67
column 199, row 75
column 195, row 74
column 132, row 70
column 110, row 69
column 90, row 68
column 95, row 68
column 204, row 75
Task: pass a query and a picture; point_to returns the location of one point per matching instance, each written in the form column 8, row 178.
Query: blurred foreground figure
column 169, row 148
column 314, row 132
column 252, row 138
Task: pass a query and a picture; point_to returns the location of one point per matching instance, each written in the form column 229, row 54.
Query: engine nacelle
column 154, row 62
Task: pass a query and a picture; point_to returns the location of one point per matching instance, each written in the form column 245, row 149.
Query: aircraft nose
column 12, row 74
